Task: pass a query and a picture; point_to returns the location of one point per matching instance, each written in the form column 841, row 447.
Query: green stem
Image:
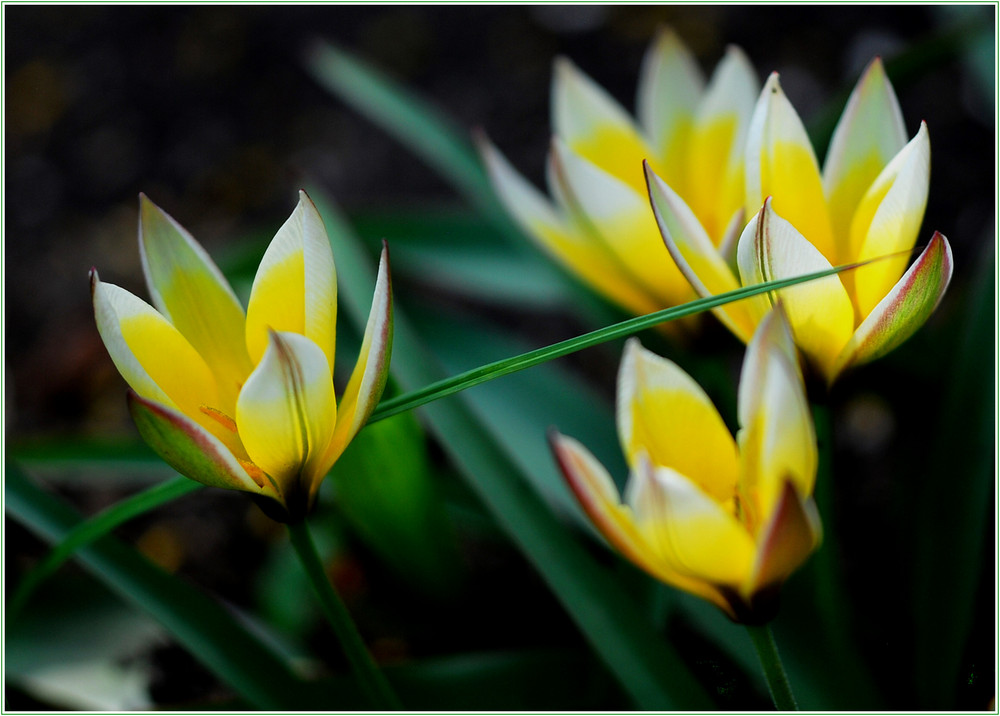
column 372, row 681
column 774, row 671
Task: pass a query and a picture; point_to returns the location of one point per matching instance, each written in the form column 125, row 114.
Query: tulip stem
column 774, row 671
column 372, row 681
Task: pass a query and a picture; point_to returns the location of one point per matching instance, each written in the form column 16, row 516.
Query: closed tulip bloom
column 867, row 203
column 243, row 400
column 598, row 222
column 727, row 520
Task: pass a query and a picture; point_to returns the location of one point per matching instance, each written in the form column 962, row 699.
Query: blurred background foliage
column 213, row 113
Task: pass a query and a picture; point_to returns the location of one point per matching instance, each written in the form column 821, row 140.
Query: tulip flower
column 598, row 225
column 868, row 203
column 727, row 520
column 243, row 400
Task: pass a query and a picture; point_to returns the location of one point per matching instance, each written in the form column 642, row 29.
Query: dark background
column 210, row 112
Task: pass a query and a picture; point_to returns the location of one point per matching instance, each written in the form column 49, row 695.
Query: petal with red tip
column 904, row 309
column 791, row 535
column 371, row 371
column 189, row 448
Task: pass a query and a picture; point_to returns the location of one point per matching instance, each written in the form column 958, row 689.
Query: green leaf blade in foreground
column 647, row 667
column 96, row 527
column 199, row 623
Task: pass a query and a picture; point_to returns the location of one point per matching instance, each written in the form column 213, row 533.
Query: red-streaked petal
column 371, row 370
column 904, row 309
column 790, row 536
column 189, row 448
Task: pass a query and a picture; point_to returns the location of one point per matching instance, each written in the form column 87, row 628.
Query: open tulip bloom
column 598, row 224
column 868, row 203
column 728, row 520
column 244, row 400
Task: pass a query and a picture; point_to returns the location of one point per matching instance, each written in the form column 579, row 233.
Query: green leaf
column 646, row 666
column 383, row 487
column 519, row 410
column 456, row 383
column 199, row 623
column 410, row 119
column 95, row 527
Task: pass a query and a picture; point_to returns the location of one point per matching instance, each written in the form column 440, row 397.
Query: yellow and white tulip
column 728, row 520
column 598, row 223
column 243, row 400
column 867, row 203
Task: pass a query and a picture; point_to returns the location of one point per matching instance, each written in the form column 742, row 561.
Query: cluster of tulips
column 712, row 187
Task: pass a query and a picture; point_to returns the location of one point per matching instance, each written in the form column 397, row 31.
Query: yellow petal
column 780, row 163
column 670, row 87
column 191, row 292
column 714, row 188
column 904, row 309
column 595, row 126
column 190, row 449
column 696, row 256
column 888, row 220
column 371, row 370
column 820, row 312
column 777, row 440
column 597, row 494
column 295, row 288
column 620, row 218
column 661, row 411
column 869, row 134
column 692, row 531
column 792, row 533
column 152, row 356
column 286, row 411
column 591, row 260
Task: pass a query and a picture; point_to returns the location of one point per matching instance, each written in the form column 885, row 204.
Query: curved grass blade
column 196, row 621
column 454, row 384
column 95, row 527
column 647, row 667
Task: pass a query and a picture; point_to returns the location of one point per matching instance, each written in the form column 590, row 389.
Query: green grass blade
column 611, row 620
column 199, row 623
column 411, row 120
column 95, row 527
column 456, row 383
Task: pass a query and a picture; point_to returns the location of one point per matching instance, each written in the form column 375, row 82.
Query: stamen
column 218, row 416
column 255, row 473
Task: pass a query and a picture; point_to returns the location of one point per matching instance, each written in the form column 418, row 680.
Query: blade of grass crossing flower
column 646, row 666
column 456, row 383
column 97, row 526
column 199, row 623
